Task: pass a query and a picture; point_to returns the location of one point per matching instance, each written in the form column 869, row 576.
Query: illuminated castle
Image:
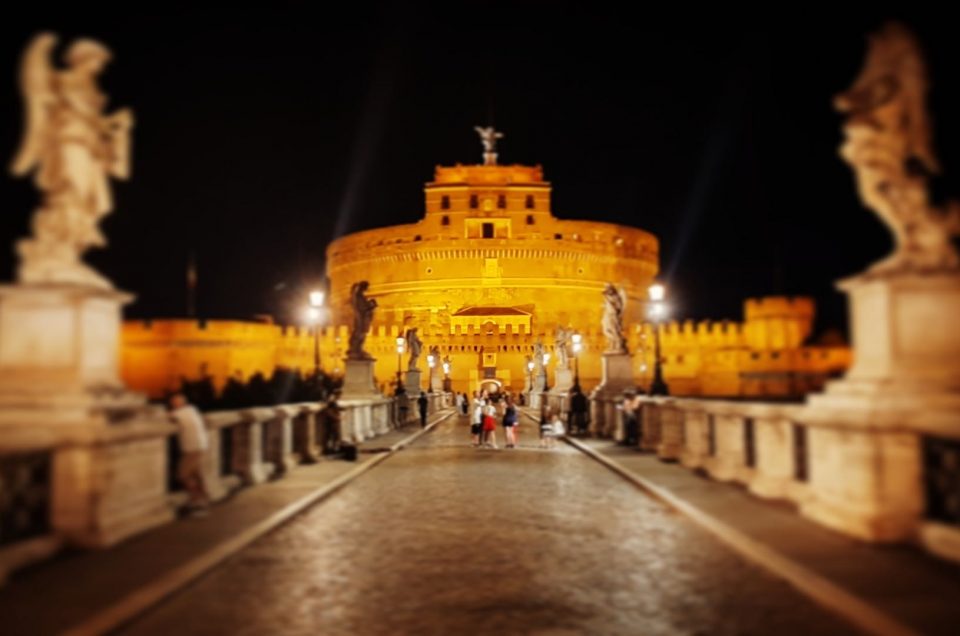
column 484, row 275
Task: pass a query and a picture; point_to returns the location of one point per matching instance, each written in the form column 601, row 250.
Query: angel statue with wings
column 488, row 137
column 72, row 149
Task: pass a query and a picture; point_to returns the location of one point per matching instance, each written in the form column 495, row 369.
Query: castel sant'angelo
column 487, row 274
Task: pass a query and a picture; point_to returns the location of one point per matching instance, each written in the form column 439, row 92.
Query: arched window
column 502, row 201
column 474, row 201
column 529, row 202
column 444, row 202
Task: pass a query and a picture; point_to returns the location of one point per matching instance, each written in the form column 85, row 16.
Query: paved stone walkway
column 920, row 592
column 57, row 595
column 445, row 539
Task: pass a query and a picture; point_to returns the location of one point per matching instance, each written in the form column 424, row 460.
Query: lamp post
column 446, row 376
column 658, row 311
column 314, row 316
column 577, row 346
column 401, row 345
column 431, row 363
column 546, row 359
column 530, row 366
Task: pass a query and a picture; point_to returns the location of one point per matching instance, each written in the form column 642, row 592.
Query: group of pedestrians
column 486, row 410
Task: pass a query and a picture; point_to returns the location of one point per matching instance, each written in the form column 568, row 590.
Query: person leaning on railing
column 192, row 436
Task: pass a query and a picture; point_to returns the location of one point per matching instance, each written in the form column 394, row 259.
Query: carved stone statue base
column 605, row 420
column 412, row 382
column 563, row 381
column 358, row 379
column 58, row 341
column 61, row 394
column 865, row 433
column 436, row 380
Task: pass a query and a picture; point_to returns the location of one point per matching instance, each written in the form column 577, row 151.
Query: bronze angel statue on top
column 888, row 143
column 72, row 148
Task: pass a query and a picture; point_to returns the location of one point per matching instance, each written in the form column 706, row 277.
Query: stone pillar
column 60, row 391
column 358, row 379
column 412, row 383
column 436, row 378
column 605, row 419
column 305, row 439
column 865, row 432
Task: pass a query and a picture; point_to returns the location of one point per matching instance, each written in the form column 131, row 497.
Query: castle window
column 417, row 237
column 444, row 220
column 488, row 230
column 558, row 236
column 444, row 202
column 775, row 355
column 529, row 219
column 529, row 202
column 502, row 201
column 474, row 201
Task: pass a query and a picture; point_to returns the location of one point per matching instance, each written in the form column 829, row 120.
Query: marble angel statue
column 561, row 345
column 888, row 144
column 614, row 302
column 414, row 347
column 72, row 148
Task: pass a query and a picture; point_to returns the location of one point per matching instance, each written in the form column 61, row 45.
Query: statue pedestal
column 558, row 398
column 866, row 434
column 412, row 383
column 59, row 343
column 436, row 380
column 358, row 379
column 61, row 396
column 605, row 420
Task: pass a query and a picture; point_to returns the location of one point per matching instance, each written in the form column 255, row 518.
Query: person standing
column 422, row 404
column 510, row 422
column 192, row 437
column 631, row 426
column 579, row 409
column 476, row 428
column 490, row 424
column 458, row 402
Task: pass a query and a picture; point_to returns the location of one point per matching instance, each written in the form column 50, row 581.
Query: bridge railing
column 871, row 483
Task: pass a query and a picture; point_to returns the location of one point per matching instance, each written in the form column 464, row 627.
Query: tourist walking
column 192, row 437
column 510, row 423
column 422, row 404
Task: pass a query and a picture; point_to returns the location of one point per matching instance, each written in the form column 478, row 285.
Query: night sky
column 262, row 134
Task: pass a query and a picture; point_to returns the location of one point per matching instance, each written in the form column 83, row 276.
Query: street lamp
column 446, row 376
column 657, row 312
column 401, row 345
column 577, row 346
column 530, row 366
column 314, row 315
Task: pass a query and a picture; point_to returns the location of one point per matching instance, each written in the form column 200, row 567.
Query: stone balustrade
column 777, row 451
column 139, row 456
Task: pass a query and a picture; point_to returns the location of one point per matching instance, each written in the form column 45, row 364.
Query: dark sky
column 261, row 134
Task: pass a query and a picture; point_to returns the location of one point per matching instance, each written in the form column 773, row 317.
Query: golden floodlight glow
column 431, row 361
column 657, row 292
column 316, row 298
column 312, row 315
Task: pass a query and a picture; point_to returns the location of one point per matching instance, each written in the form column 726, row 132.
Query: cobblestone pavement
column 446, row 539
